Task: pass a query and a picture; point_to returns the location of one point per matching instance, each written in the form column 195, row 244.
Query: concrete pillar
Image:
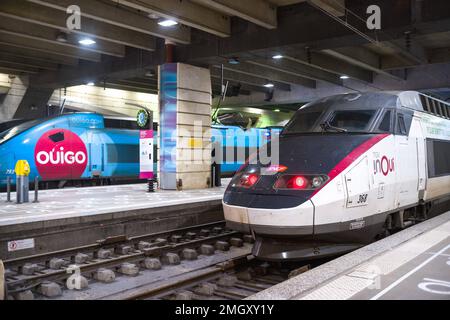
column 12, row 90
column 185, row 127
column 34, row 103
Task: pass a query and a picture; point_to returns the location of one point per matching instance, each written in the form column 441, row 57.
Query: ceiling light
column 233, row 60
column 86, row 42
column 90, row 83
column 344, row 77
column 268, row 85
column 277, row 110
column 167, row 23
column 61, row 37
column 153, row 16
column 277, row 56
column 149, row 74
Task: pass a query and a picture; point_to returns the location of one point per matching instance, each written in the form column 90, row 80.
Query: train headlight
column 246, row 180
column 317, row 182
column 300, row 182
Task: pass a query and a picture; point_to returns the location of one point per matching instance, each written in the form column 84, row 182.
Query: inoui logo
column 60, row 153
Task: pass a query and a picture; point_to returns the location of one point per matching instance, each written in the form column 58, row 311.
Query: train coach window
column 303, row 122
column 352, row 120
column 112, row 123
column 123, row 153
column 401, row 126
column 385, row 124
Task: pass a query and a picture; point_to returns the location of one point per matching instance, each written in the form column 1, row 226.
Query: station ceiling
column 320, row 41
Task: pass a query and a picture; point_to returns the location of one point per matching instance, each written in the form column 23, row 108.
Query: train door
column 421, row 156
column 96, row 151
column 406, row 164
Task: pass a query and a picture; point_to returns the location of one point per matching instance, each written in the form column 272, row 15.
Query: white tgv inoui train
column 351, row 169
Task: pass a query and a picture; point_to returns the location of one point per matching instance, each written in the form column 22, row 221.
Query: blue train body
column 80, row 146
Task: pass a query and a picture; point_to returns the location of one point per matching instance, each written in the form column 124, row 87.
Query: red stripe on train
column 352, row 156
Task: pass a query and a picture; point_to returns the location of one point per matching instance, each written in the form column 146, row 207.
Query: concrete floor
column 67, row 203
column 412, row 264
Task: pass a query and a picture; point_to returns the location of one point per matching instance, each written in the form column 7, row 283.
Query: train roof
column 413, row 100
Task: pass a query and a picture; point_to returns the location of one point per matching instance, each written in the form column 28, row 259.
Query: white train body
column 387, row 179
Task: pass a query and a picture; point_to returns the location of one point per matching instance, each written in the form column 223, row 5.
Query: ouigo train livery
column 352, row 168
column 87, row 148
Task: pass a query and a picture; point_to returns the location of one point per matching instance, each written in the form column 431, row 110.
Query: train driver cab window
column 401, row 126
column 385, row 124
column 302, row 122
column 352, row 120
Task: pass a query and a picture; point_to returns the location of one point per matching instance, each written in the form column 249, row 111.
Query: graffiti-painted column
column 185, row 127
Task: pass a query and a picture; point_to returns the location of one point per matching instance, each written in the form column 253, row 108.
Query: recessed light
column 86, row 42
column 153, row 16
column 268, row 85
column 277, row 56
column 90, row 83
column 344, row 77
column 233, row 60
column 61, row 37
column 167, row 23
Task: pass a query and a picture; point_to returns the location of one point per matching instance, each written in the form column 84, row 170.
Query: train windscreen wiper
column 326, row 126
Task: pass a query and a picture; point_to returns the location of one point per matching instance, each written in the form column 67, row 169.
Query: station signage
column 146, row 154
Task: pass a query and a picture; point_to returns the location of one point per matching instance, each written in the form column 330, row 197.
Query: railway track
column 234, row 279
column 56, row 274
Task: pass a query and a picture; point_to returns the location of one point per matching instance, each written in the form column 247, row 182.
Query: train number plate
column 357, row 225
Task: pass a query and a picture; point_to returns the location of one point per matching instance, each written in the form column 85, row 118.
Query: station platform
column 79, row 216
column 413, row 264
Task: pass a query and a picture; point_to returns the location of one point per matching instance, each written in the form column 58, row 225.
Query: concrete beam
column 48, row 17
column 36, row 45
column 114, row 15
column 316, row 30
column 29, row 31
column 297, row 69
column 38, row 55
column 360, row 56
column 33, row 104
column 328, row 63
column 440, row 55
column 267, row 73
column 27, row 62
column 414, row 53
column 216, row 90
column 14, row 69
column 334, row 7
column 259, row 12
column 133, row 65
column 247, row 87
column 247, row 79
column 185, row 12
column 127, row 87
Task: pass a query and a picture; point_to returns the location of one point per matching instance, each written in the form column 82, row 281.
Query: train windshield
column 351, row 120
column 10, row 123
column 312, row 121
column 14, row 131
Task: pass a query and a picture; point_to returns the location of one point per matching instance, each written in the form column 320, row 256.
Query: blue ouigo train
column 89, row 148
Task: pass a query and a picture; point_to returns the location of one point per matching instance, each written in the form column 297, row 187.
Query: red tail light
column 252, row 179
column 247, row 180
column 301, row 182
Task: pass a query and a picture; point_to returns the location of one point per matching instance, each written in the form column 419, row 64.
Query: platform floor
column 79, row 202
column 413, row 264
